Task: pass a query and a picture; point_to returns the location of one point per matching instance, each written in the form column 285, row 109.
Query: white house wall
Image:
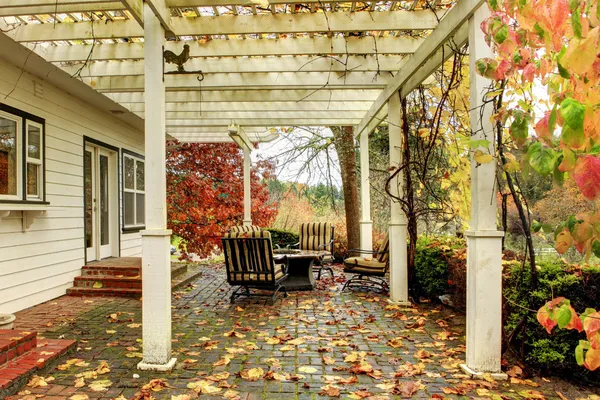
column 39, row 263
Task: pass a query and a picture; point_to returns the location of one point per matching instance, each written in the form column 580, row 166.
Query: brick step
column 178, row 269
column 104, row 292
column 109, row 282
column 16, row 373
column 15, row 343
column 116, row 271
column 179, row 282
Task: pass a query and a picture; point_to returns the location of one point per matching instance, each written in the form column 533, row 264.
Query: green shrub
column 554, row 352
column 283, row 238
column 431, row 263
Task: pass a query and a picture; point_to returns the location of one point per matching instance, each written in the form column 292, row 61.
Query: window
column 134, row 196
column 21, row 156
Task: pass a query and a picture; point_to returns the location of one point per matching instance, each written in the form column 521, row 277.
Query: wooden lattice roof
column 265, row 63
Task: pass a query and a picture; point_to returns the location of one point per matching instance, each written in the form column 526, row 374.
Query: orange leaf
column 587, row 176
column 592, row 359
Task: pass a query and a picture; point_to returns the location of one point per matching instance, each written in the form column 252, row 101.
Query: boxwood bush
column 282, row 238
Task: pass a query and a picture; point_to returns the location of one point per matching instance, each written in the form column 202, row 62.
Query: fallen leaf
column 330, row 390
column 79, row 396
column 252, row 374
column 328, row 360
column 100, row 385
column 156, row 385
column 308, row 370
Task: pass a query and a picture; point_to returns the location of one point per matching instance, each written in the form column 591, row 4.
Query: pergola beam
column 136, row 8
column 253, row 131
column 232, row 81
column 174, row 125
column 425, row 60
column 113, row 5
column 326, row 95
column 247, row 65
column 234, row 25
column 259, row 106
column 225, row 3
column 162, row 12
column 334, row 46
column 250, row 115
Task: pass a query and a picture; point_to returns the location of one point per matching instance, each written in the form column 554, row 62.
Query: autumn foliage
column 205, row 193
column 552, row 44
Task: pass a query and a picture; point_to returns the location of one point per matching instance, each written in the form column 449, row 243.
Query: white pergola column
column 397, row 226
column 247, row 188
column 484, row 241
column 366, row 224
column 156, row 259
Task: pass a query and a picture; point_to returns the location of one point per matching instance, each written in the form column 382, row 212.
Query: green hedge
column 555, row 352
column 440, row 269
column 431, row 264
column 282, row 238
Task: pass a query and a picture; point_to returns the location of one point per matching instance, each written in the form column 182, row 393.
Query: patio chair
column 245, row 228
column 317, row 236
column 250, row 264
column 369, row 272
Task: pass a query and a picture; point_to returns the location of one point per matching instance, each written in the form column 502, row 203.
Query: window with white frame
column 21, row 156
column 134, row 196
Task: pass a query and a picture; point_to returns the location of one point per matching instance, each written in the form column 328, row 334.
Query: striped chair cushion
column 246, row 258
column 249, row 234
column 279, row 273
column 312, row 235
column 365, row 265
column 244, row 228
column 384, row 250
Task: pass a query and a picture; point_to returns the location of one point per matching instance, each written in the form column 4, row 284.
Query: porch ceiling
column 265, row 63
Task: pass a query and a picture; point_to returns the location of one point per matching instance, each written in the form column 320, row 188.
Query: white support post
column 366, row 224
column 397, row 228
column 156, row 260
column 247, row 188
column 484, row 241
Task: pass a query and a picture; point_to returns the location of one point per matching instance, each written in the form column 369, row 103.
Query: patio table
column 300, row 272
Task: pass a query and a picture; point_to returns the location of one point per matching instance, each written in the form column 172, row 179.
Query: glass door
column 100, row 203
column 104, row 201
column 90, row 203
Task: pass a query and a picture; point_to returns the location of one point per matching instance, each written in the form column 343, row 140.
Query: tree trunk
column 409, row 206
column 344, row 145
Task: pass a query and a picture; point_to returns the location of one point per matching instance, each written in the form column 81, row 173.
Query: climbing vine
column 548, row 71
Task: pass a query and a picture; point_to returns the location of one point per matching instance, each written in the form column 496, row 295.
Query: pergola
column 269, row 63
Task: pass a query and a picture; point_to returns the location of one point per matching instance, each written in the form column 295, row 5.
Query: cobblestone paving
column 318, row 344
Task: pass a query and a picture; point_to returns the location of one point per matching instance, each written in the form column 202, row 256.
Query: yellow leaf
column 79, row 396
column 98, row 285
column 308, row 370
column 252, row 374
column 100, row 385
column 482, row 158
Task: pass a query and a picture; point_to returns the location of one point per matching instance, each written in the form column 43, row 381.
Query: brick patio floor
column 317, row 344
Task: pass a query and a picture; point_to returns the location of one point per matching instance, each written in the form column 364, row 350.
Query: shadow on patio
column 314, row 343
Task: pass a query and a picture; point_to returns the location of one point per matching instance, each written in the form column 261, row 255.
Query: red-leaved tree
column 205, row 193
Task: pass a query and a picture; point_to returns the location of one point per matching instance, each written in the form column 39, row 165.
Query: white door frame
column 105, row 225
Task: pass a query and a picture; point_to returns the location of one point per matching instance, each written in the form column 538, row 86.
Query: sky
column 287, row 170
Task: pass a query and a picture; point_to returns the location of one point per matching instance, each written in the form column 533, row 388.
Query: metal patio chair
column 369, row 272
column 250, row 264
column 317, row 236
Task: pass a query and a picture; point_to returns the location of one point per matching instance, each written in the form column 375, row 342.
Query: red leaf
column 587, row 176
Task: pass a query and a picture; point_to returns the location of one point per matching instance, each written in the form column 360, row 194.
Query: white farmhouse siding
column 39, row 263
